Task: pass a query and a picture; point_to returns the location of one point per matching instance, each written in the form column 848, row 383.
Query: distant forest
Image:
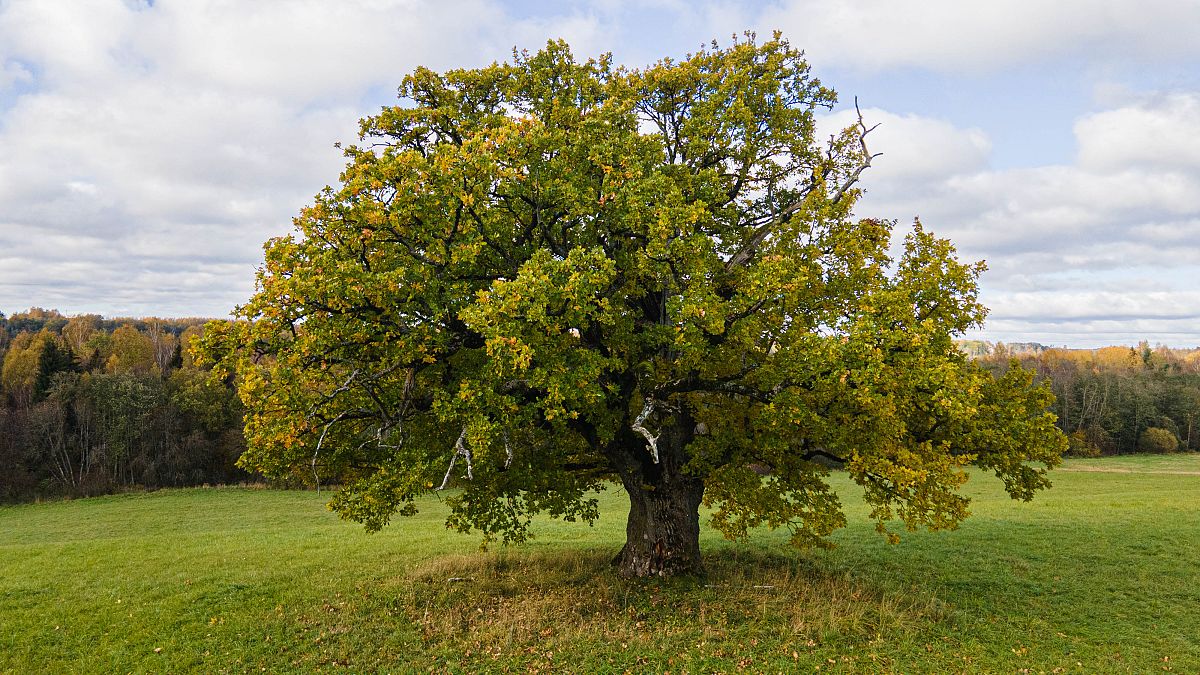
column 1114, row 400
column 90, row 405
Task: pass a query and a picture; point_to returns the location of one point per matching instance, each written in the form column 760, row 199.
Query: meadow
column 1099, row 574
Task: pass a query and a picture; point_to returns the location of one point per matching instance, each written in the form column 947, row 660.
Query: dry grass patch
column 518, row 604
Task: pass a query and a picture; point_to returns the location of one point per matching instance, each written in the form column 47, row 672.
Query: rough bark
column 662, row 536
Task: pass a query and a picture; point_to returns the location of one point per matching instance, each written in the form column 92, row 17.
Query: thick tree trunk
column 662, row 536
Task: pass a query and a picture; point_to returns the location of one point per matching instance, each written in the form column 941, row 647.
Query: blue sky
column 148, row 149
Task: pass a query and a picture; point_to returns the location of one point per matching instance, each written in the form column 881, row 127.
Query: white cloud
column 1112, row 240
column 150, row 145
column 309, row 51
column 588, row 35
column 914, row 148
column 70, row 43
column 1161, row 132
column 1072, row 304
column 956, row 36
column 1092, row 334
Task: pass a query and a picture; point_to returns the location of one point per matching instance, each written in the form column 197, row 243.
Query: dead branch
column 639, row 426
column 460, row 450
column 320, row 442
column 852, row 178
column 760, row 234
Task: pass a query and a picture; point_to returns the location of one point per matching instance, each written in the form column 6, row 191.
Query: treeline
column 1118, row 400
column 91, row 405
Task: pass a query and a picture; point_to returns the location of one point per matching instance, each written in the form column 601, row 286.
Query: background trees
column 1106, row 399
column 92, row 405
column 54, row 437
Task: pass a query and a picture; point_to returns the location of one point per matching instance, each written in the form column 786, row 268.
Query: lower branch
column 817, row 452
column 320, row 442
column 460, row 450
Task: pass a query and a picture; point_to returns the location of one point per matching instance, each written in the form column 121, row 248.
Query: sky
column 149, row 147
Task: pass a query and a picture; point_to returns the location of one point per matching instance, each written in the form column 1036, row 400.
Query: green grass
column 1100, row 574
column 1179, row 463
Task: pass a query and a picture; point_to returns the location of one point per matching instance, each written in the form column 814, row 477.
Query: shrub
column 1082, row 446
column 1158, row 440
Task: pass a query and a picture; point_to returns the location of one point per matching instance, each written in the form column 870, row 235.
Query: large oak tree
column 540, row 276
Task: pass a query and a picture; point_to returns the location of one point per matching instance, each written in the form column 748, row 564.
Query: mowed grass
column 1100, row 574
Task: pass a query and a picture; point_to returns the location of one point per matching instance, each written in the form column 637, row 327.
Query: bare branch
column 746, row 252
column 446, row 480
column 333, row 394
column 760, row 234
column 727, row 385
column 321, row 441
column 383, row 431
column 866, row 154
column 460, row 450
column 639, row 426
column 814, row 453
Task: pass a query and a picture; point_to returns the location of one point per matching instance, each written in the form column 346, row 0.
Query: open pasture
column 1099, row 574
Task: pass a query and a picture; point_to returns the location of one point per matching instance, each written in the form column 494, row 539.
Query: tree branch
column 746, row 253
column 321, row 441
column 818, row 452
column 866, row 154
column 639, row 426
column 460, row 449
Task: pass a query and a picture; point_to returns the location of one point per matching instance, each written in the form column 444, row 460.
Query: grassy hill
column 1101, row 574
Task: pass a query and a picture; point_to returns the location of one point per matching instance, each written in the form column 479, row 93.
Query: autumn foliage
column 540, row 276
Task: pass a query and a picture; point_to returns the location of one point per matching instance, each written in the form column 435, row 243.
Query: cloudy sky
column 148, row 148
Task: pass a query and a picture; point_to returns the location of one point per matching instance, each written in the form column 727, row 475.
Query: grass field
column 1100, row 574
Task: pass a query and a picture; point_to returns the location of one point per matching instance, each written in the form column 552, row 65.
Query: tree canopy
column 539, row 276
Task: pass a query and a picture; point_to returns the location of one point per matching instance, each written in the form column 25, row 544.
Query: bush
column 1158, row 440
column 1082, row 446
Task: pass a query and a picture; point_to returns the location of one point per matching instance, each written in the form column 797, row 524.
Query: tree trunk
column 662, row 536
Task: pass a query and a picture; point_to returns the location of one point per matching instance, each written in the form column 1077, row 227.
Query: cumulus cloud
column 955, row 36
column 914, row 149
column 150, row 148
column 1108, row 243
column 1161, row 132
